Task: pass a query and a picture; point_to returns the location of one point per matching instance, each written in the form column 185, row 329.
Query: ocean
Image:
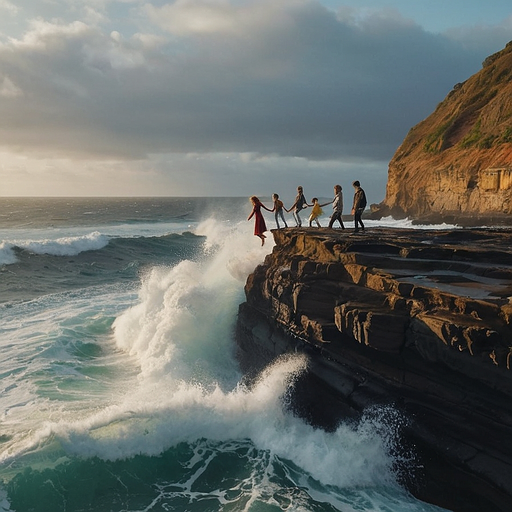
column 120, row 389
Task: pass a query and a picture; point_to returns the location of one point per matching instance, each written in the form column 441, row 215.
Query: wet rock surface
column 419, row 320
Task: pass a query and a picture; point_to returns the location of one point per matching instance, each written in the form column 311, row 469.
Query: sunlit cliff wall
column 458, row 161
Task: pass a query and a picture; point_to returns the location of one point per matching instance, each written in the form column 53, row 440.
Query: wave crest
column 66, row 246
column 7, row 255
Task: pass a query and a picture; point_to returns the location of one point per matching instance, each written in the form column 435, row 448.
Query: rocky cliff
column 457, row 163
column 418, row 320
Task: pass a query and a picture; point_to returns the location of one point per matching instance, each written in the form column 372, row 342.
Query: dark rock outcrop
column 458, row 161
column 417, row 319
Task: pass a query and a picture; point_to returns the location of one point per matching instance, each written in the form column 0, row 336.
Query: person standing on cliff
column 315, row 212
column 358, row 206
column 299, row 204
column 278, row 210
column 259, row 222
column 337, row 207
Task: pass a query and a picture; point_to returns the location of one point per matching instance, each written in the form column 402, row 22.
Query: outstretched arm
column 291, row 207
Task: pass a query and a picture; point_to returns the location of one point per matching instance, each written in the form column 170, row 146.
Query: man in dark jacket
column 358, row 206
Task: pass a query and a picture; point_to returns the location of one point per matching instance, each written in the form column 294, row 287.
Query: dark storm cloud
column 287, row 80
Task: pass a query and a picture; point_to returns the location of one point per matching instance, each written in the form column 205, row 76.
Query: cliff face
column 420, row 320
column 458, row 161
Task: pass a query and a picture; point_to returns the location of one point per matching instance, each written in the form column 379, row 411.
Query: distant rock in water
column 457, row 163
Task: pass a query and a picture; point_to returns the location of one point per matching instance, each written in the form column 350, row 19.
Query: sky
column 226, row 97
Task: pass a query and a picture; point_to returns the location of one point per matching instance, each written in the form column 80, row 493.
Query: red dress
column 259, row 222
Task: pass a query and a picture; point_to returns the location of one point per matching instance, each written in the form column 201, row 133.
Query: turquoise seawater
column 119, row 386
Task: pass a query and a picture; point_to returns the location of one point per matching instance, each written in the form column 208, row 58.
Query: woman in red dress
column 259, row 222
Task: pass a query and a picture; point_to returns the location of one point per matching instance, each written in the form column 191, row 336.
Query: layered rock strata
column 418, row 320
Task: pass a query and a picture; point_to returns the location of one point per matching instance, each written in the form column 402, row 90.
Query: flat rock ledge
column 415, row 320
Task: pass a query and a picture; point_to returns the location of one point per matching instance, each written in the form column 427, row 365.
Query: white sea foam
column 237, row 250
column 180, row 334
column 390, row 222
column 7, row 256
column 72, row 241
column 182, row 325
column 66, row 246
column 151, row 421
column 171, row 376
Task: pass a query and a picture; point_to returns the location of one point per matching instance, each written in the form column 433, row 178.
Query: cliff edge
column 418, row 320
column 457, row 163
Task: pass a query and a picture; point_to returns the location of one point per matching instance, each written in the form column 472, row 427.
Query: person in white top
column 337, row 207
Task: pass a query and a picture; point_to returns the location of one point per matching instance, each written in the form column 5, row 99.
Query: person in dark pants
column 299, row 204
column 358, row 206
column 337, row 207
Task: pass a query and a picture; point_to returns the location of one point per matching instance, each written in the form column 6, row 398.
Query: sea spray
column 237, row 251
column 71, row 242
column 124, row 393
column 186, row 388
column 180, row 335
column 7, row 255
column 64, row 246
column 150, row 424
column 185, row 316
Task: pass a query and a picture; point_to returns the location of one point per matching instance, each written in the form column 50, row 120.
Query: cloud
column 193, row 174
column 49, row 36
column 8, row 89
column 287, row 79
column 479, row 36
column 9, row 7
column 197, row 16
